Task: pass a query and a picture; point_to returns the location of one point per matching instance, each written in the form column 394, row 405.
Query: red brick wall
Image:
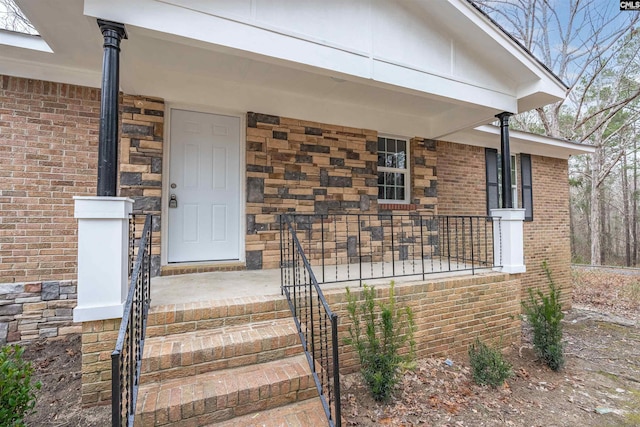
column 48, row 146
column 546, row 238
column 461, row 179
column 448, row 313
column 462, row 191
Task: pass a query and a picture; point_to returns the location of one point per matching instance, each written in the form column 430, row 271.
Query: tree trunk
column 596, row 230
column 634, row 227
column 625, row 212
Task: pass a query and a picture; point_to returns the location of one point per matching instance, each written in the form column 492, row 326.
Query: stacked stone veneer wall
column 449, row 314
column 314, row 168
column 37, row 310
column 462, row 191
column 141, row 152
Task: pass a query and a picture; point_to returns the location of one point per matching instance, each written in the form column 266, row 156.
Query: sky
column 605, row 15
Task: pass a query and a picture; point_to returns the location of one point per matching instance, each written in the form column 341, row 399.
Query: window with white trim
column 393, row 170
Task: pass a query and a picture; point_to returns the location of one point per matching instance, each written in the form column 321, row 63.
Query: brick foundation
column 98, row 341
column 449, row 314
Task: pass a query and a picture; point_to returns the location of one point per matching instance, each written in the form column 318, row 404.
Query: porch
column 224, row 345
column 220, row 285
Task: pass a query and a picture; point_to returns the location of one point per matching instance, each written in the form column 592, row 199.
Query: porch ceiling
column 215, row 77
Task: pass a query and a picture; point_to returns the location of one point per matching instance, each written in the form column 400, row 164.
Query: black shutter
column 493, row 193
column 527, row 187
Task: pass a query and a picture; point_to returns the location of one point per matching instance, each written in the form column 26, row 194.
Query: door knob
column 173, row 201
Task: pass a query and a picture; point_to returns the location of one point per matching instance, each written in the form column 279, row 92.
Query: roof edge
column 518, row 43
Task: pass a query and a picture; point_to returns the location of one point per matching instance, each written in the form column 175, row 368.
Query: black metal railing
column 317, row 325
column 358, row 247
column 127, row 356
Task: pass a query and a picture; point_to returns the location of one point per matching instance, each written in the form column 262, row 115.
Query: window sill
column 397, row 206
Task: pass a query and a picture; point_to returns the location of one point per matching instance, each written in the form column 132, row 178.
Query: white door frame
column 166, row 154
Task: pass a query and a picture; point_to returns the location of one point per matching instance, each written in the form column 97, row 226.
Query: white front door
column 204, row 180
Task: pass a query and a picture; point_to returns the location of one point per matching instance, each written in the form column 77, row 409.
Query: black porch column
column 507, row 199
column 113, row 33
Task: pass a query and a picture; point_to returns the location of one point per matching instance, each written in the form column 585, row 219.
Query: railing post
column 422, row 247
column 473, row 271
column 322, row 243
column 336, row 370
column 313, row 335
column 360, row 249
column 448, row 243
column 393, row 246
column 116, row 400
column 281, row 256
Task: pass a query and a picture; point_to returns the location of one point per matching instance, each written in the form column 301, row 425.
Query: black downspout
column 507, row 198
column 113, row 33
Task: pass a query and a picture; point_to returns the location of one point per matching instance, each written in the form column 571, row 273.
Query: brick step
column 195, row 316
column 300, row 414
column 201, row 400
column 193, row 353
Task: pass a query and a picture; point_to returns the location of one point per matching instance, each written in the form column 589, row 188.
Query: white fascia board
column 264, row 43
column 520, row 142
column 514, row 48
column 24, row 41
column 49, row 72
column 182, row 22
column 439, row 86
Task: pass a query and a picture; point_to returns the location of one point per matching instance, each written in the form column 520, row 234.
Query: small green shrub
column 545, row 315
column 17, row 392
column 488, row 366
column 386, row 330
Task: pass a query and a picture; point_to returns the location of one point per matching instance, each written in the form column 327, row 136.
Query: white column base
column 508, row 240
column 103, row 242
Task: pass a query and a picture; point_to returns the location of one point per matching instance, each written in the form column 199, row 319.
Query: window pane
column 380, row 178
column 401, row 160
column 399, row 179
column 390, row 193
column 388, row 178
column 381, row 192
column 391, row 160
column 381, row 159
column 391, row 145
column 381, row 144
column 400, row 193
column 401, row 146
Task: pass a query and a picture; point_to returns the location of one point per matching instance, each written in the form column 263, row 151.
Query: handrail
column 311, row 312
column 127, row 356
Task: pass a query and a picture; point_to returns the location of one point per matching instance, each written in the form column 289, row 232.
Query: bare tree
column 12, row 18
column 593, row 48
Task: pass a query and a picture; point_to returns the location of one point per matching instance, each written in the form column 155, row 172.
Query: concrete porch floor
column 231, row 284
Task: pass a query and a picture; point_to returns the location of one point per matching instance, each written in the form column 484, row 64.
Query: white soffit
column 24, row 41
column 434, row 48
column 520, row 142
column 69, row 49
